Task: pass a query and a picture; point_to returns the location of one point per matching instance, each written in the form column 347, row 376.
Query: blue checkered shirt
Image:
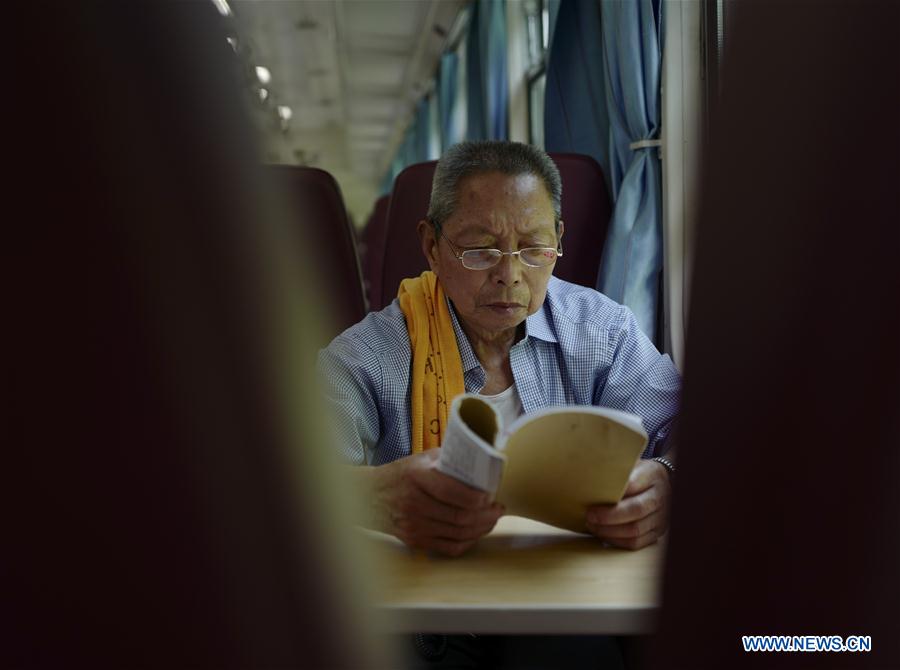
column 580, row 348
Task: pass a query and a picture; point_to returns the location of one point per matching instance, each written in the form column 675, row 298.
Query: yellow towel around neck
column 437, row 374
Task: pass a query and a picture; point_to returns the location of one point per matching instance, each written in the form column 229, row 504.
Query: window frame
column 537, row 67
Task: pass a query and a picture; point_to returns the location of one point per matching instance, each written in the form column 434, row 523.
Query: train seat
column 372, row 249
column 402, row 256
column 315, row 202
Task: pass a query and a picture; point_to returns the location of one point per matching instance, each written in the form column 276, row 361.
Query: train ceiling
column 350, row 71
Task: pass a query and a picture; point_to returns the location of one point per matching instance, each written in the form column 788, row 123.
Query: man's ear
column 559, row 232
column 429, row 241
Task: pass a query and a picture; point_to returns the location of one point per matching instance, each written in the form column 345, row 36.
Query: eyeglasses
column 483, row 259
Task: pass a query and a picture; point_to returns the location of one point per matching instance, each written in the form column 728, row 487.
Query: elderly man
column 490, row 318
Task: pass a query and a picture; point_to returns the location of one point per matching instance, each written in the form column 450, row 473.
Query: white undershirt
column 507, row 404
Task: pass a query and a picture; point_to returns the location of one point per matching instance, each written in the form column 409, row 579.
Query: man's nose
column 508, row 271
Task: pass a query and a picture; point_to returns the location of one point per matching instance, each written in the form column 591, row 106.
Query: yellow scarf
column 437, row 374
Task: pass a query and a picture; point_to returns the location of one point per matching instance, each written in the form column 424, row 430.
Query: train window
column 537, row 32
column 534, row 22
column 434, row 127
column 536, row 87
column 460, row 113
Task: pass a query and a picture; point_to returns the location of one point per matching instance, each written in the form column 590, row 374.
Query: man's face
column 494, row 211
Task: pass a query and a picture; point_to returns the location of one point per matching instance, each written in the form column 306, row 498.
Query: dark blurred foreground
column 787, row 506
column 156, row 415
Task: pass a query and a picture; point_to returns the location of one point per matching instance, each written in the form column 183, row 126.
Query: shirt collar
column 536, row 325
column 469, row 359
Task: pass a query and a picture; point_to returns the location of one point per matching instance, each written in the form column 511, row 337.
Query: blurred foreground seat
column 161, row 453
column 786, row 510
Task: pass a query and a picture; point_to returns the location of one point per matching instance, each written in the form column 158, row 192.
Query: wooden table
column 524, row 577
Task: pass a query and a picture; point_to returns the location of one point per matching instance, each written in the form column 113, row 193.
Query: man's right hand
column 427, row 509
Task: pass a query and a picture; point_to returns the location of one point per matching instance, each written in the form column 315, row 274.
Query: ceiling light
column 263, row 74
column 263, row 94
column 233, row 42
column 222, row 6
column 285, row 113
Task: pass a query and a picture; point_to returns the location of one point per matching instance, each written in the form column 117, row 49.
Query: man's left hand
column 641, row 516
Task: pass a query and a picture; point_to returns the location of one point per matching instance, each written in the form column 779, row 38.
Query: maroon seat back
column 323, row 226
column 586, row 209
column 372, row 249
column 402, row 255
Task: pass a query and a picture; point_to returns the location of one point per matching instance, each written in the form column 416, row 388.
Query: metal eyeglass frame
column 498, row 255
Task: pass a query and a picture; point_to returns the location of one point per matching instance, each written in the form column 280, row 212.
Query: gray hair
column 470, row 158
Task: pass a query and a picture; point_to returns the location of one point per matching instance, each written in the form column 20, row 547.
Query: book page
column 467, row 453
column 564, row 459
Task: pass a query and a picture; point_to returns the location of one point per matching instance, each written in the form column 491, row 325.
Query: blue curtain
column 487, row 87
column 632, row 256
column 487, row 91
column 447, row 84
column 416, row 144
column 421, row 130
column 406, row 155
column 575, row 114
column 387, row 183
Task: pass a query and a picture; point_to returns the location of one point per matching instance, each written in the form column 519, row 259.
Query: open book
column 549, row 465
